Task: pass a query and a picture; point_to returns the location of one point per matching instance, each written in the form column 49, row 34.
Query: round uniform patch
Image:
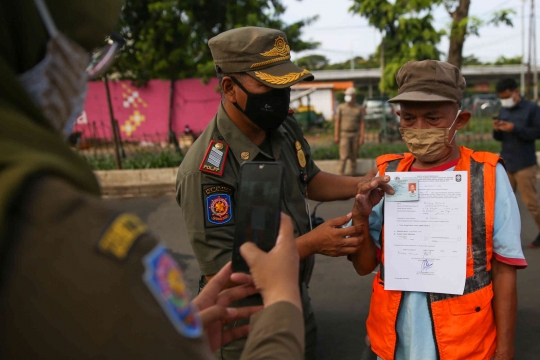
column 219, row 208
column 164, row 279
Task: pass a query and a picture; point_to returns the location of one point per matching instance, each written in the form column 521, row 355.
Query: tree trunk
column 458, row 33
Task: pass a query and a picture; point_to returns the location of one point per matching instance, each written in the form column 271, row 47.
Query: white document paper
column 425, row 241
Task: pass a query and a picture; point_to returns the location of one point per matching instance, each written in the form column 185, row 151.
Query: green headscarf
column 29, row 145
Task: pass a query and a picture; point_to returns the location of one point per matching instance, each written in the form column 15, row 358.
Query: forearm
column 305, row 245
column 362, row 129
column 337, row 125
column 277, row 332
column 504, row 306
column 329, row 187
column 365, row 260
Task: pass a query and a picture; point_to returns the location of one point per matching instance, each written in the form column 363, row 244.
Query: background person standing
column 517, row 127
column 349, row 130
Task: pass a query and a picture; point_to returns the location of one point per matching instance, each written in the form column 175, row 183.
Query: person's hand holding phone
column 274, row 274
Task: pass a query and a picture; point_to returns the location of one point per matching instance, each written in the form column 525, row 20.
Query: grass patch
column 141, row 160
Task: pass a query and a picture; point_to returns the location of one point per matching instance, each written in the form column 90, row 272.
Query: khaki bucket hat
column 262, row 53
column 429, row 81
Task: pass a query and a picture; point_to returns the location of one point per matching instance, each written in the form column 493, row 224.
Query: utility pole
column 352, row 57
column 522, row 78
column 532, row 86
column 535, row 64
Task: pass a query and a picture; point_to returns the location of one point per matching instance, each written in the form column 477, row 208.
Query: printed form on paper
column 425, row 241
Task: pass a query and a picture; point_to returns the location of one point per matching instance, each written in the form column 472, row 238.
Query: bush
column 141, row 160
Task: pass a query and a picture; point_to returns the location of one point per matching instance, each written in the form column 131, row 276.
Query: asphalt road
column 340, row 297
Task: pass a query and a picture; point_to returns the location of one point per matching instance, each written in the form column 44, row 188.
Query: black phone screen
column 258, row 208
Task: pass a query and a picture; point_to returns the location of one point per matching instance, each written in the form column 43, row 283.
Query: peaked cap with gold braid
column 260, row 52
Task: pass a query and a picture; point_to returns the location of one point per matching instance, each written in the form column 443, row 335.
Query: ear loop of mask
column 455, row 132
column 46, row 18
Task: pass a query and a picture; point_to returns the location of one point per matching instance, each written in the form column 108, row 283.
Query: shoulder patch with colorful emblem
column 218, row 205
column 164, row 279
column 215, row 158
column 119, row 238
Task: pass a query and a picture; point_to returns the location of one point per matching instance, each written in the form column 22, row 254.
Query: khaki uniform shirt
column 61, row 297
column 212, row 243
column 351, row 117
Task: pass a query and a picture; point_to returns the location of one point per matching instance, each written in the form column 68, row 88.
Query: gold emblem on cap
column 300, row 154
column 244, row 155
column 219, row 146
column 280, row 48
column 280, row 80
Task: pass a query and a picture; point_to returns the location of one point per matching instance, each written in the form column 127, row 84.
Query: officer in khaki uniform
column 254, row 123
column 81, row 279
column 349, row 130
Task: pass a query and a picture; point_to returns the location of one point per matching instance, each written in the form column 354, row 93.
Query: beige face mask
column 427, row 144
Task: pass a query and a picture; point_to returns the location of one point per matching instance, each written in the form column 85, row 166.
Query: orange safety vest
column 463, row 325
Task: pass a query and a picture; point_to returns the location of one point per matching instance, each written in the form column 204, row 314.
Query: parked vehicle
column 379, row 113
column 374, row 109
column 483, row 104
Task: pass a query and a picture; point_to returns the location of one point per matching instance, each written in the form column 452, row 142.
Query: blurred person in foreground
column 81, row 279
column 517, row 128
column 479, row 324
column 254, row 123
column 349, row 131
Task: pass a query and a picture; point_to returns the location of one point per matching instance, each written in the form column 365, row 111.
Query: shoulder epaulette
column 215, row 158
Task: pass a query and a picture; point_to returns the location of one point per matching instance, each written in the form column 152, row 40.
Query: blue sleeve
column 375, row 223
column 507, row 225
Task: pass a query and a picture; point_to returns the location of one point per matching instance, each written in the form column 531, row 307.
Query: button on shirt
column 518, row 149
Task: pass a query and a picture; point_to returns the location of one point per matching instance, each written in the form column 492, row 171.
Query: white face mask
column 508, row 103
column 348, row 98
column 57, row 84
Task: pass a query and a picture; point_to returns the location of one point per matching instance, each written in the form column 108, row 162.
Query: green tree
column 313, row 62
column 408, row 33
column 463, row 26
column 372, row 62
column 167, row 39
column 471, row 60
column 508, row 61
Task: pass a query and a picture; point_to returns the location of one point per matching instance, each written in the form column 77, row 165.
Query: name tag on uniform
column 405, row 189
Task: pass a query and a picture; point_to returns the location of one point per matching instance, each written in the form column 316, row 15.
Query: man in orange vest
column 479, row 324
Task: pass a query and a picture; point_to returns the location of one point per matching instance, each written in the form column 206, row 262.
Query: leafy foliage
column 167, row 39
column 142, row 160
column 408, row 33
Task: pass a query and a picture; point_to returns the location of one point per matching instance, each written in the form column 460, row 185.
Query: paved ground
column 341, row 297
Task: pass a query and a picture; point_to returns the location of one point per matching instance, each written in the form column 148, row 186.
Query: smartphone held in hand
column 258, row 208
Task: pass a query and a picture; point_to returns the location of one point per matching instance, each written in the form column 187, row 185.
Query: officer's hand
column 336, row 139
column 331, row 239
column 275, row 274
column 213, row 304
column 506, row 126
column 361, row 140
column 370, row 194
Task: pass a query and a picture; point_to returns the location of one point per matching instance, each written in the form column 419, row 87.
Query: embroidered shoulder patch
column 164, row 279
column 120, row 236
column 218, row 206
column 215, row 158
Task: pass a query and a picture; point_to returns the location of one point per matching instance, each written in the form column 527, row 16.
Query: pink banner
column 143, row 113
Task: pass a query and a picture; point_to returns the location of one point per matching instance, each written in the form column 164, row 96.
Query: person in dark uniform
column 79, row 278
column 254, row 123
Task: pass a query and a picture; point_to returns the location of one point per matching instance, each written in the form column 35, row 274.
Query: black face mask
column 267, row 110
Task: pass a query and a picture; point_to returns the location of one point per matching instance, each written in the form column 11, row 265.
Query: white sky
column 342, row 34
